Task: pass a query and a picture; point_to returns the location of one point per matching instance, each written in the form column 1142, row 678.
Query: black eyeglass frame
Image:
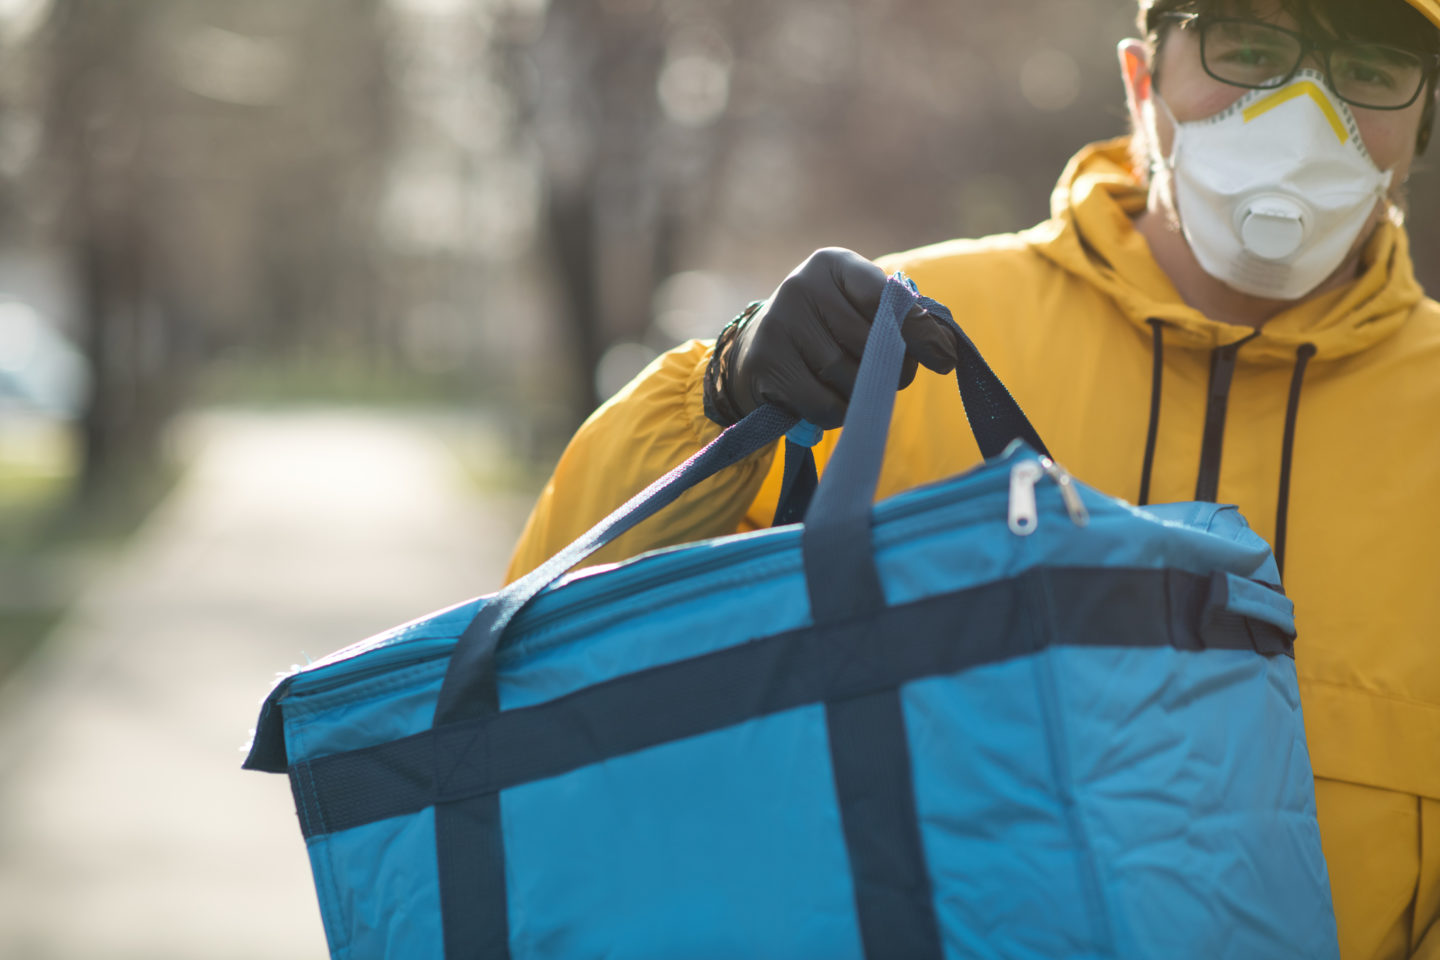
column 1429, row 65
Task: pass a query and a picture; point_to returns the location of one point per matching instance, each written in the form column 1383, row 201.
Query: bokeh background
column 299, row 300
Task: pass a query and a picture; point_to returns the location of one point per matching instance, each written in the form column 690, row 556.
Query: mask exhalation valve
column 1273, row 227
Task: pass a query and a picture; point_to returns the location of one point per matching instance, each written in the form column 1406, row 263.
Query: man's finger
column 907, row 373
column 860, row 280
column 930, row 340
column 842, row 321
column 826, row 358
column 806, row 398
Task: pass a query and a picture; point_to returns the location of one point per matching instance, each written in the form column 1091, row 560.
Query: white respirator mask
column 1273, row 192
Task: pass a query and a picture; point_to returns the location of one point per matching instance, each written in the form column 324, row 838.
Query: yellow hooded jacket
column 1067, row 313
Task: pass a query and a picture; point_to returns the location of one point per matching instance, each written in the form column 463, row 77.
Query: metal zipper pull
column 1023, row 515
column 1073, row 504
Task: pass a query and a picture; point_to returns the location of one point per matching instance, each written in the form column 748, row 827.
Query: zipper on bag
column 1073, row 504
column 1024, row 509
column 1024, row 515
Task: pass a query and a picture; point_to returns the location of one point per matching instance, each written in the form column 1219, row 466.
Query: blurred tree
column 217, row 170
column 627, row 101
column 674, row 132
column 100, row 136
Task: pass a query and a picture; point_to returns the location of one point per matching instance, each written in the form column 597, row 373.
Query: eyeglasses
column 1262, row 56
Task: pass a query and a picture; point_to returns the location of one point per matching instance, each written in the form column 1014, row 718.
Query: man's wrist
column 718, row 406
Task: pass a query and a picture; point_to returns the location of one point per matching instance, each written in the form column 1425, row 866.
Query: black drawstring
column 1217, row 412
column 1282, row 508
column 1297, row 380
column 1153, row 433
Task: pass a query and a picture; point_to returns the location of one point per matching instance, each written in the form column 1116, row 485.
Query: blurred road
column 127, row 829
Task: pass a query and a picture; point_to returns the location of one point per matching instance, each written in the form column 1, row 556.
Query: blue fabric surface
column 1178, row 804
column 1009, row 880
column 1094, row 787
column 671, row 854
column 379, row 892
column 381, row 708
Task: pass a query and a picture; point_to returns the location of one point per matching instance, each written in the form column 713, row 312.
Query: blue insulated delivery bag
column 999, row 716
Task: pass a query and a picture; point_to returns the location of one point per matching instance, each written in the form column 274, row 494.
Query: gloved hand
column 801, row 350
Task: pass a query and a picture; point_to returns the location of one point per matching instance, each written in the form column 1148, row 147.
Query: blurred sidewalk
column 127, row 829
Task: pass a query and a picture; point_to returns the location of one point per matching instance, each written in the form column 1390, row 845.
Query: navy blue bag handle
column 469, row 688
column 837, row 524
column 840, row 569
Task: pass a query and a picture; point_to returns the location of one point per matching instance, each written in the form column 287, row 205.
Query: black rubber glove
column 801, row 350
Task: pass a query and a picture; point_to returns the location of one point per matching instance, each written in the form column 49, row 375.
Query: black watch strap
column 718, row 407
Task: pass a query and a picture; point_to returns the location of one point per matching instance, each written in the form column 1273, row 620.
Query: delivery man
column 1222, row 307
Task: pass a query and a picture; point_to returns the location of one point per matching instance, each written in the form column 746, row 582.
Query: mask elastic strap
column 1427, row 120
column 1154, row 134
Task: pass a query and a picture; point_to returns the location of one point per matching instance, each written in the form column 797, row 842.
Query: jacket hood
column 1091, row 234
column 1431, row 9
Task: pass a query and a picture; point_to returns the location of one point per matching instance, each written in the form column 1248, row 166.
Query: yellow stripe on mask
column 1306, row 88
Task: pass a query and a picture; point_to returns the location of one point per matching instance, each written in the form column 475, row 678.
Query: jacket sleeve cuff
column 655, row 423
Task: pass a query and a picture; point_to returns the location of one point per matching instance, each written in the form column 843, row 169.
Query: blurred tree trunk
column 218, row 167
column 625, row 183
column 99, row 124
column 570, row 233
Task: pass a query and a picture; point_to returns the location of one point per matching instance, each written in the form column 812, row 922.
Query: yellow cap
column 1431, row 9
